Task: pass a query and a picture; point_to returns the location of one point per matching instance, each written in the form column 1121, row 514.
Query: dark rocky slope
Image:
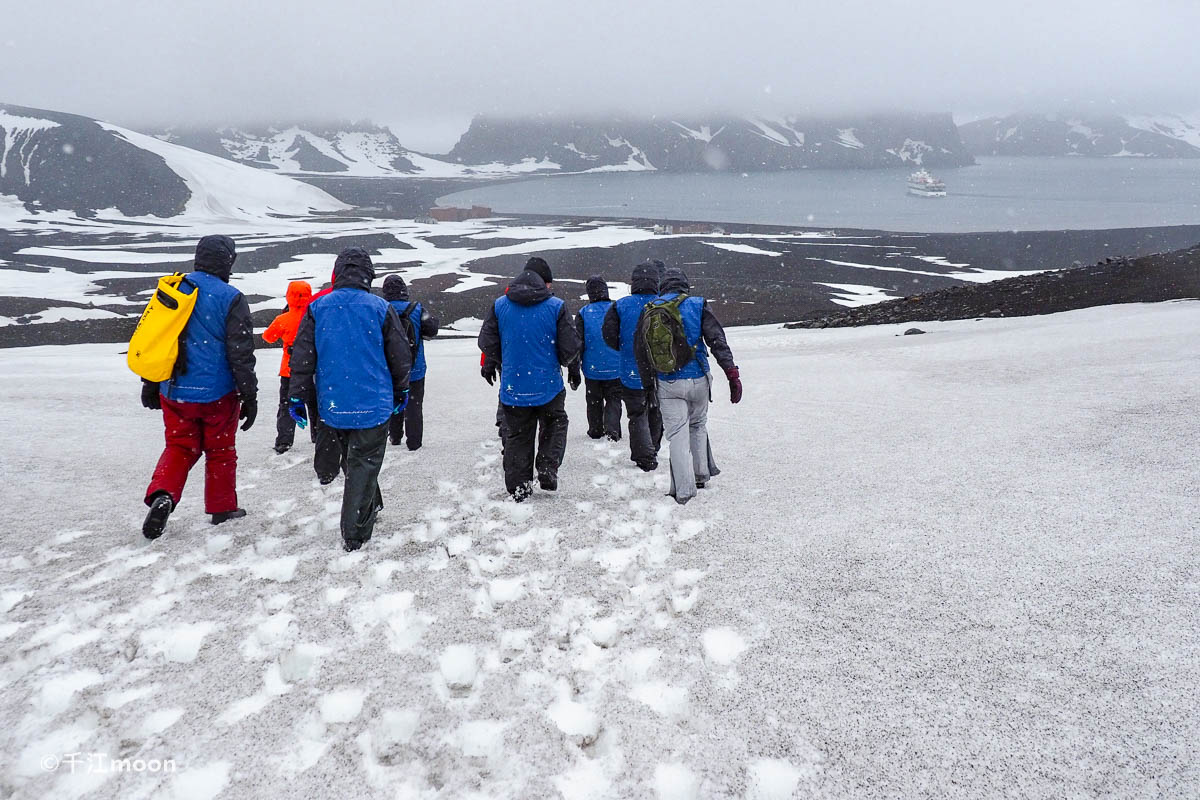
column 1150, row 279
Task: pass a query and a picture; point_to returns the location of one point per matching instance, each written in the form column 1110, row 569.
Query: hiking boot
column 156, row 518
column 350, row 545
column 412, row 447
column 523, row 492
column 614, row 437
column 225, row 516
column 326, row 481
column 595, row 434
column 395, row 441
column 548, row 481
column 701, row 484
column 282, row 448
column 647, row 466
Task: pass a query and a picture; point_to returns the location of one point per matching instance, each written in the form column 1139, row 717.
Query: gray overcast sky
column 425, row 67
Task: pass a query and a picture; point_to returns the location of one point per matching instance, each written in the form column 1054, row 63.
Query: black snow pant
column 603, row 408
column 645, row 428
column 329, row 452
column 361, row 498
column 285, row 426
column 522, row 425
column 413, row 417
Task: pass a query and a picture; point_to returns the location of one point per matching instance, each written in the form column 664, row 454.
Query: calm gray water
column 997, row 194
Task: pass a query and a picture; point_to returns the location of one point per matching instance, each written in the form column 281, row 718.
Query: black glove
column 735, row 385
column 488, row 371
column 150, row 398
column 249, row 411
column 651, row 398
column 574, row 378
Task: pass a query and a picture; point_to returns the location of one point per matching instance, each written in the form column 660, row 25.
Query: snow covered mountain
column 1167, row 136
column 685, row 145
column 51, row 161
column 350, row 149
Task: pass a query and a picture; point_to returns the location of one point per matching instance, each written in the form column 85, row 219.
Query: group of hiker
column 353, row 374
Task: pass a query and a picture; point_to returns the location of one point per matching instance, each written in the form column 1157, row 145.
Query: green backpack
column 664, row 337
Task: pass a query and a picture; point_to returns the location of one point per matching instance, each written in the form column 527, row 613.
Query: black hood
column 394, row 288
column 644, row 280
column 353, row 269
column 528, row 289
column 215, row 255
column 597, row 289
column 674, row 280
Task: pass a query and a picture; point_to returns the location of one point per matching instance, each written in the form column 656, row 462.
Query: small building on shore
column 459, row 214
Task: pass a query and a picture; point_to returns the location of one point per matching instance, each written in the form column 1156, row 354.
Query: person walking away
column 283, row 329
column 352, row 357
column 601, row 364
column 684, row 393
column 213, row 387
column 420, row 325
column 620, row 323
column 529, row 335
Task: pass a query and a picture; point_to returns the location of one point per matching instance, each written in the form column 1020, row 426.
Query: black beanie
column 597, row 288
column 394, row 288
column 215, row 255
column 540, row 266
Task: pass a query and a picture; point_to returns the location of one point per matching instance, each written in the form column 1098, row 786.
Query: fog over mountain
column 434, row 65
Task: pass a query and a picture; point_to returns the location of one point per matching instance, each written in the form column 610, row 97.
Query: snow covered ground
column 955, row 565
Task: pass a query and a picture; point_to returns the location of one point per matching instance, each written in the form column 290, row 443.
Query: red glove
column 735, row 385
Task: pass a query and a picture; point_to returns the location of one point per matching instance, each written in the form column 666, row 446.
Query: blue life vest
column 414, row 316
column 692, row 311
column 207, row 376
column 530, row 374
column 629, row 309
column 600, row 362
column 354, row 384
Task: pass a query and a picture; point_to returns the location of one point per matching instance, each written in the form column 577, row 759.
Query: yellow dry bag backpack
column 154, row 348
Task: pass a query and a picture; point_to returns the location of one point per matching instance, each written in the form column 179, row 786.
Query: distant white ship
column 922, row 184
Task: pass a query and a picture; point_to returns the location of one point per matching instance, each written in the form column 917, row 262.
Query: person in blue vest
column 420, row 325
column 620, row 323
column 601, row 364
column 214, row 386
column 529, row 334
column 683, row 395
column 353, row 358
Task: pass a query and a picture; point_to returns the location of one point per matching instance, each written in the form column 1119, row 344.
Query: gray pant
column 684, row 407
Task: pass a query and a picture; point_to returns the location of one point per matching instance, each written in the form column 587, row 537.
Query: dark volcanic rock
column 712, row 144
column 56, row 161
column 1150, row 279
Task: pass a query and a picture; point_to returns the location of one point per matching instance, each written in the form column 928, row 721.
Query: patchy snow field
column 955, row 565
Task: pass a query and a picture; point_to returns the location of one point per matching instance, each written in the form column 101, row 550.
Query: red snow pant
column 192, row 429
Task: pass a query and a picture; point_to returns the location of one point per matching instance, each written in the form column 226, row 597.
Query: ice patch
column 199, row 783
column 56, row 694
column 577, row 721
column 675, row 782
column 158, row 721
column 772, row 779
column 180, row 644
column 458, row 666
column 275, row 569
column 343, row 705
column 664, row 699
column 722, row 646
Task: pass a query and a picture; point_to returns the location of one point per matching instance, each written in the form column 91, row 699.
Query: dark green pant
column 362, row 458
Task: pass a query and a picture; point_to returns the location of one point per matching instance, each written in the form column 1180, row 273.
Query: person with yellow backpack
column 210, row 386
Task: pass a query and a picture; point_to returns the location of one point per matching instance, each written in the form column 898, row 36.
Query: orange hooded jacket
column 287, row 324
